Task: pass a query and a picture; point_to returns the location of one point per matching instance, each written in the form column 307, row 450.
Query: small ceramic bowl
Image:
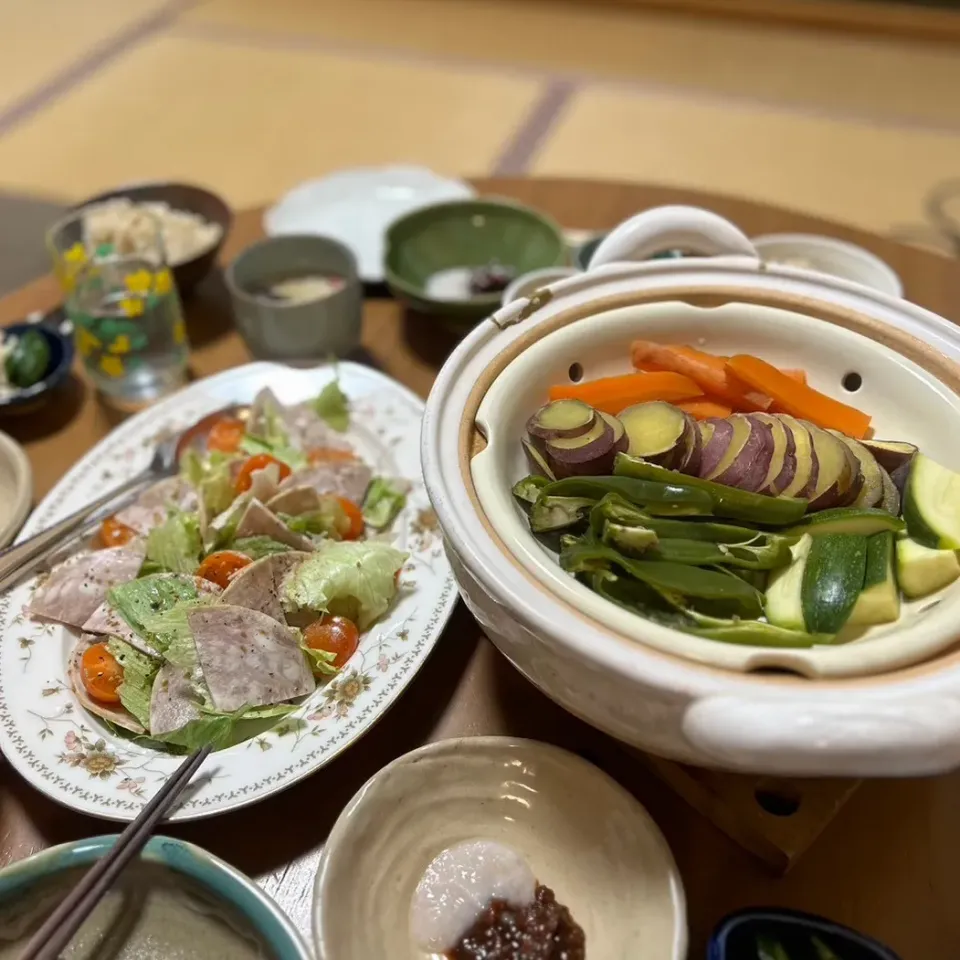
column 738, row 936
column 221, row 880
column 180, row 196
column 310, row 330
column 826, row 255
column 57, row 331
column 531, row 282
column 583, row 835
column 16, row 488
column 451, row 239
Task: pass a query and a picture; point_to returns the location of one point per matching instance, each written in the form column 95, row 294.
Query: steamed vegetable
column 832, row 580
column 931, row 504
column 745, row 457
column 571, row 439
column 612, row 394
column 661, row 433
column 871, row 479
column 558, row 513
column 864, row 521
column 614, row 508
column 879, row 600
column 798, row 399
column 707, row 371
column 726, row 501
column 562, row 418
column 671, row 498
column 891, row 454
column 705, row 409
column 923, row 570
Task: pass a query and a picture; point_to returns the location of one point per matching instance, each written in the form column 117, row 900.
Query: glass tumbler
column 121, row 297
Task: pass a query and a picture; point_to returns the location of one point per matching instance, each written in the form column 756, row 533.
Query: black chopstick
column 57, row 930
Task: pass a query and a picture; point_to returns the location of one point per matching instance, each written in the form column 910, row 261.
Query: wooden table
column 889, row 864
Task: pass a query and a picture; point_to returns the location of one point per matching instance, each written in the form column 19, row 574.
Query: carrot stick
column 708, row 371
column 613, row 394
column 703, row 409
column 799, row 400
column 799, row 375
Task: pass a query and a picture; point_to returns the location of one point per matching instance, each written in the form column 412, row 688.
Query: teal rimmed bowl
column 218, row 878
column 466, row 234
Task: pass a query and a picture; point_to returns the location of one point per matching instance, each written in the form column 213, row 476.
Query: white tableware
column 16, row 488
column 888, row 704
column 529, row 283
column 356, row 206
column 582, row 834
column 827, row 255
column 74, row 758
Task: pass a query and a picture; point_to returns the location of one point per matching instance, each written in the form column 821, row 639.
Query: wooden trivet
column 775, row 819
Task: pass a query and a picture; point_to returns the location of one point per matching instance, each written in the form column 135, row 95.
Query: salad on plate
column 225, row 595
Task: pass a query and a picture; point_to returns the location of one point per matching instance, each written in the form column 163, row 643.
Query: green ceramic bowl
column 466, row 234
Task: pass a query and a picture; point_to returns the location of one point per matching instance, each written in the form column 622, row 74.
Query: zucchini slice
column 931, row 504
column 782, row 603
column 865, row 521
column 879, row 600
column 832, row 580
column 923, row 570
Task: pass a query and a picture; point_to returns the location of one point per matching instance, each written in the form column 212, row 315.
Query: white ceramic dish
column 825, row 254
column 356, row 207
column 16, row 488
column 631, row 681
column 583, row 835
column 529, row 283
column 73, row 758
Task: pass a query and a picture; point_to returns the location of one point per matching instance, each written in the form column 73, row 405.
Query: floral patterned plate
column 72, row 757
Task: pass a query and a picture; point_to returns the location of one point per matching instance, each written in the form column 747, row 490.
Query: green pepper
column 558, row 513
column 656, row 498
column 27, row 363
column 528, row 489
column 668, row 578
column 614, row 508
column 756, row 633
column 727, row 501
column 631, row 540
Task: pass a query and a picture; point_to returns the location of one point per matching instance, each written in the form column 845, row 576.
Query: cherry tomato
column 225, row 435
column 244, row 478
column 101, row 674
column 336, row 635
column 354, row 515
column 221, row 567
column 329, row 455
column 113, row 533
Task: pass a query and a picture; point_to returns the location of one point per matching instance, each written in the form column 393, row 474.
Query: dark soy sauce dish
column 772, row 934
column 38, row 363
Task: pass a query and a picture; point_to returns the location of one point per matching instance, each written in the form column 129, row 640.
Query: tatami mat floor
column 253, row 96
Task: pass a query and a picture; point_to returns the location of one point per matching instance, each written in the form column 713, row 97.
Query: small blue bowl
column 736, row 937
column 217, row 877
column 56, row 329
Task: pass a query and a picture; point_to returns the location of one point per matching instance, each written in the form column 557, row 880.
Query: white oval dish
column 72, row 757
column 16, row 488
column 803, row 251
column 905, row 721
column 583, row 835
column 356, row 206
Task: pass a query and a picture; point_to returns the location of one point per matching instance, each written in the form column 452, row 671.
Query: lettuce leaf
column 332, row 406
column 176, row 543
column 210, row 476
column 330, row 520
column 321, row 661
column 143, row 600
column 138, row 673
column 352, row 578
column 384, row 500
column 258, row 547
column 278, row 447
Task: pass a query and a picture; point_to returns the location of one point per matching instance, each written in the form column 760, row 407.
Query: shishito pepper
column 668, row 578
column 726, row 501
column 675, row 499
column 617, row 510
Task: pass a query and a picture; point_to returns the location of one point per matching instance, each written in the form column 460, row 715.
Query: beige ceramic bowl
column 16, row 488
column 584, row 836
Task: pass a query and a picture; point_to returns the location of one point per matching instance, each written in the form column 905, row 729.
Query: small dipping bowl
column 60, row 343
column 827, row 255
column 738, row 935
column 582, row 834
column 206, row 873
column 296, row 332
column 530, row 282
